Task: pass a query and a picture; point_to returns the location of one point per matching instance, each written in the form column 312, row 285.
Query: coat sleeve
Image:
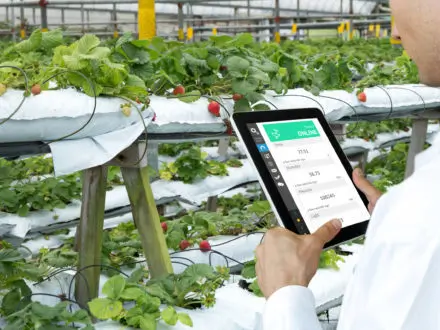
column 291, row 308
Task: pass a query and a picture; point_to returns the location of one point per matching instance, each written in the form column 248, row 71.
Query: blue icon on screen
column 262, row 147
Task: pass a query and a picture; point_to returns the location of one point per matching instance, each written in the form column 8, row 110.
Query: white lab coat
column 396, row 283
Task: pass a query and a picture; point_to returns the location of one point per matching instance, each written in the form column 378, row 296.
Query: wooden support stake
column 89, row 236
column 147, row 220
column 211, row 204
column 418, row 140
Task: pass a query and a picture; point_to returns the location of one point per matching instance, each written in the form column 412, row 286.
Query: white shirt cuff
column 291, row 308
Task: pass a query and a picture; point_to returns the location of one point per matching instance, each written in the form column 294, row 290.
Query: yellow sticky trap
column 377, row 30
column 341, row 28
column 115, row 34
column 190, row 33
column 385, row 33
column 277, row 37
column 146, row 19
column 214, row 31
column 181, row 34
column 347, row 26
column 44, row 29
column 371, row 28
column 22, row 34
column 294, row 28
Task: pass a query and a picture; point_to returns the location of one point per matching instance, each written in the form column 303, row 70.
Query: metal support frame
column 181, row 33
column 44, row 26
column 418, row 140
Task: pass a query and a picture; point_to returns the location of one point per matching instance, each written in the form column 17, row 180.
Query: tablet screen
column 307, row 171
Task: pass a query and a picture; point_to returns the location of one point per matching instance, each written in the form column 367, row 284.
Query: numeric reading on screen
column 312, row 172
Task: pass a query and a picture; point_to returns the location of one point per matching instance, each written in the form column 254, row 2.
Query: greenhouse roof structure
column 228, row 7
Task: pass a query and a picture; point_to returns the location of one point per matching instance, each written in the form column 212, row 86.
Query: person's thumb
column 328, row 231
column 364, row 185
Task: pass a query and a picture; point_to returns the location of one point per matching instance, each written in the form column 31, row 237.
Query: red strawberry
column 362, row 97
column 179, row 90
column 36, row 89
column 205, row 246
column 237, row 97
column 164, row 226
column 138, row 101
column 214, row 108
column 223, row 68
column 184, row 245
column 154, row 117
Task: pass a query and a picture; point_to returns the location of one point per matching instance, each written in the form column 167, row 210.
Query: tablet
column 303, row 171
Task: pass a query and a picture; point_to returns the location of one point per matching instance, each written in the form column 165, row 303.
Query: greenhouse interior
column 124, row 184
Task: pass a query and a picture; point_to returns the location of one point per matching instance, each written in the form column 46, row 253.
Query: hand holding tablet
column 303, row 171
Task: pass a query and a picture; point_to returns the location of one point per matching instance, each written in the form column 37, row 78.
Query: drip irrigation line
column 26, row 84
column 91, row 85
column 391, row 102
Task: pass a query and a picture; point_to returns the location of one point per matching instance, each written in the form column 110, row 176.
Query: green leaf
column 51, row 39
column 248, row 271
column 104, row 309
column 148, row 322
column 243, row 39
column 11, row 300
column 242, row 106
column 243, row 86
column 136, row 276
column 31, row 44
column 185, row 319
column 132, row 293
column 10, row 255
column 191, row 97
column 87, row 43
column 261, row 107
column 169, row 315
column 114, row 287
column 236, row 63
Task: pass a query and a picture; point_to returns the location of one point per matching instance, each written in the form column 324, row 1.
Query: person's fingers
column 328, row 231
column 365, row 186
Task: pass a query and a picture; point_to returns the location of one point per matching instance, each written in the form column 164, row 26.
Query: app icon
column 263, row 147
column 275, row 134
column 274, row 170
column 280, row 184
column 254, row 131
column 271, row 164
column 277, row 177
column 267, row 156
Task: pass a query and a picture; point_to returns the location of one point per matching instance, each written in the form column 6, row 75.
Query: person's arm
column 291, row 308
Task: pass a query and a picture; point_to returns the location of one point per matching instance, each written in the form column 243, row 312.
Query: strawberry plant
column 144, row 315
column 174, row 149
column 369, row 131
column 191, row 166
column 193, row 288
column 37, row 316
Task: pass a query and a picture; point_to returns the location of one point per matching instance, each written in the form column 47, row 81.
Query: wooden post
column 418, row 140
column 211, row 204
column 89, row 235
column 147, row 220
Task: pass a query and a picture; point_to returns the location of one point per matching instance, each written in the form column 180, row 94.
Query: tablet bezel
column 240, row 122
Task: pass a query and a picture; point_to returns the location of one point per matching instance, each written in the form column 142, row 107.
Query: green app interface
column 303, row 163
column 291, row 131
